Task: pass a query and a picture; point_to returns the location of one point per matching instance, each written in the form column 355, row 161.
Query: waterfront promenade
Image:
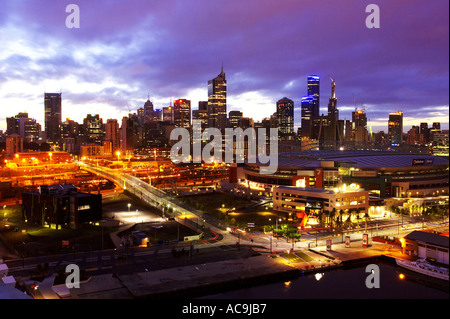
column 252, row 266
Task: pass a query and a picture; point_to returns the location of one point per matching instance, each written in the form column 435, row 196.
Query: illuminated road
column 155, row 197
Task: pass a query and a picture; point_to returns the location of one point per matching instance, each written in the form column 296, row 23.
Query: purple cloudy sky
column 125, row 50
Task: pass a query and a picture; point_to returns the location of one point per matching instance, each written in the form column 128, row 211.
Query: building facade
column 395, row 128
column 60, row 206
column 182, row 113
column 313, row 202
column 217, row 102
column 285, row 119
column 53, row 116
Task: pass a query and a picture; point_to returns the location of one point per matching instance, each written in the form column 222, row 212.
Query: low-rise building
column 59, row 206
column 426, row 245
column 313, row 201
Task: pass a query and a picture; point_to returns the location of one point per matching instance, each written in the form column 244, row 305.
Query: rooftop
column 429, row 238
column 361, row 159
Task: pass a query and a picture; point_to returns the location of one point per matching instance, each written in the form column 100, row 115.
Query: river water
column 395, row 283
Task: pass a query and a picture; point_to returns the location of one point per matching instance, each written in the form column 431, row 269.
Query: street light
column 129, row 205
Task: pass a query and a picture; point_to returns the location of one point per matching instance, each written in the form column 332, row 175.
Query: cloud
column 170, row 49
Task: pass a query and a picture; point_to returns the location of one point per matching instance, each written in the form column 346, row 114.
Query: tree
column 366, row 218
column 332, row 216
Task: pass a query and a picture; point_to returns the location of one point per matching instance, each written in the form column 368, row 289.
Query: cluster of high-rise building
column 149, row 127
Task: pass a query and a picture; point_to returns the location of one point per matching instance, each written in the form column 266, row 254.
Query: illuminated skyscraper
column 53, row 117
column 285, row 119
column 112, row 134
column 148, row 111
column 310, row 109
column 359, row 126
column 314, row 91
column 233, row 118
column 182, row 113
column 217, row 101
column 395, row 128
column 307, row 116
column 93, row 129
column 168, row 114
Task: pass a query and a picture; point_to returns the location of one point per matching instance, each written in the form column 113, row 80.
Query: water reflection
column 395, row 283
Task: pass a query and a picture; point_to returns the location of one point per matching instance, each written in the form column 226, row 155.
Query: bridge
column 144, row 191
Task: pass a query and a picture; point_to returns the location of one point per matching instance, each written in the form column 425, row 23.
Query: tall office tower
column 217, row 101
column 112, row 134
column 12, row 126
column 359, row 127
column 168, row 114
column 70, row 129
column 307, row 116
column 202, row 116
column 131, row 134
column 425, row 135
column 53, row 117
column 182, row 113
column 413, row 136
column 314, row 91
column 29, row 129
column 24, row 126
column 395, row 128
column 285, row 119
column 436, row 127
column 141, row 115
column 359, row 118
column 233, row 118
column 93, row 128
column 148, row 111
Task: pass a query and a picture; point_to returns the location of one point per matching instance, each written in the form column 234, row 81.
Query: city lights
column 164, row 150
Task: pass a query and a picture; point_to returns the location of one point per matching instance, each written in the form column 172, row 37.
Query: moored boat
column 424, row 267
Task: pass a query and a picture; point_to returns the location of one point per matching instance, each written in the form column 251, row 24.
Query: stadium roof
column 362, row 159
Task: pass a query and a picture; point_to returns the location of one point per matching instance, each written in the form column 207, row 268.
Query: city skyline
column 121, row 55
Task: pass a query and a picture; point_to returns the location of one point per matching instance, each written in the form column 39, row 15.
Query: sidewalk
column 357, row 251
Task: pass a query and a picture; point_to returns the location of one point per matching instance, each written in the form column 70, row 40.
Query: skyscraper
column 314, row 91
column 112, row 133
column 285, row 119
column 359, row 127
column 148, row 111
column 395, row 128
column 310, row 122
column 307, row 116
column 182, row 113
column 93, row 129
column 53, row 117
column 233, row 118
column 168, row 114
column 217, row 101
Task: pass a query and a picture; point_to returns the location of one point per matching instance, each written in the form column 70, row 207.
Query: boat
column 424, row 267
